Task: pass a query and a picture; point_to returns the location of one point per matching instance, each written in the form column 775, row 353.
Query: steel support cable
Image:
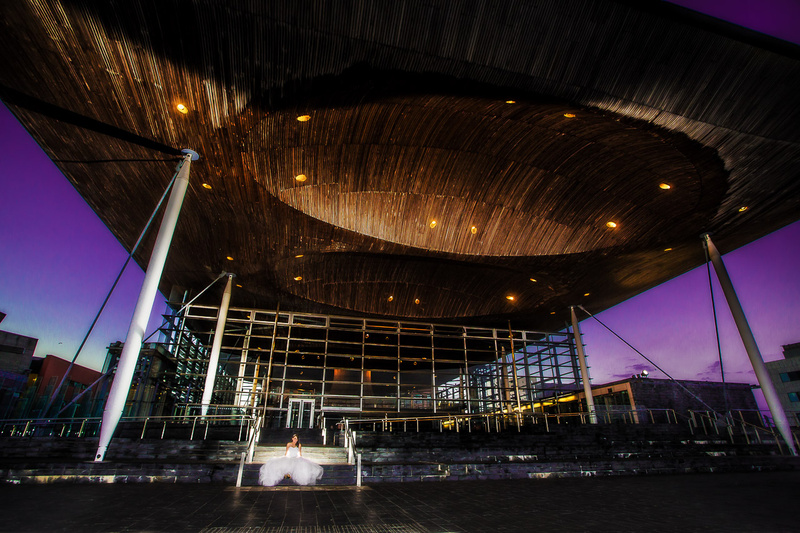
column 189, row 302
column 678, row 383
column 110, row 292
column 145, row 340
column 716, row 327
column 84, row 391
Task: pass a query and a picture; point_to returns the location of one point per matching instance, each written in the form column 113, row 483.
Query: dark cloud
column 633, row 369
column 712, row 373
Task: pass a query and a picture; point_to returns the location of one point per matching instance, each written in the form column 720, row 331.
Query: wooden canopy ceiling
column 455, row 154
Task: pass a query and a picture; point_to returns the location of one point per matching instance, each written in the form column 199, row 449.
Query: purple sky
column 779, row 18
column 673, row 324
column 58, row 261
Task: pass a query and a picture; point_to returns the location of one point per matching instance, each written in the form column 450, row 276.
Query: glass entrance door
column 300, row 413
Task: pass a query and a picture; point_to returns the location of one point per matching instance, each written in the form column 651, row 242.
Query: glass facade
column 302, row 367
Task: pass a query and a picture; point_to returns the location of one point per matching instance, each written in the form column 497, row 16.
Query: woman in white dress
column 292, row 464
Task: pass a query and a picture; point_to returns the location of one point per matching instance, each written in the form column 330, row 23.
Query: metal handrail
column 494, row 419
column 253, row 438
column 352, row 452
column 730, row 423
column 29, row 425
column 456, row 421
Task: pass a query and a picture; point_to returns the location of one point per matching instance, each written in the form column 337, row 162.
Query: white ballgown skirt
column 301, row 470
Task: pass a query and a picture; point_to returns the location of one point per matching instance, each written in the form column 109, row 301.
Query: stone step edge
column 540, row 474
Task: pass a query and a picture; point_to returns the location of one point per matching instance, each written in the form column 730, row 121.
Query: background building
column 16, row 354
column 785, row 374
column 637, row 395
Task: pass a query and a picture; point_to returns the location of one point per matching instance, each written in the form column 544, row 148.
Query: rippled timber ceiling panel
column 454, row 154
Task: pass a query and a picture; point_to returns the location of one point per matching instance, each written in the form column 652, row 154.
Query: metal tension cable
column 678, row 383
column 108, row 296
column 190, row 302
column 716, row 327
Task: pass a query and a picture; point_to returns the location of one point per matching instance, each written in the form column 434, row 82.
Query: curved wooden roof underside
column 520, row 128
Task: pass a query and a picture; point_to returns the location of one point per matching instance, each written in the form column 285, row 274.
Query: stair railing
column 256, row 422
column 711, row 419
column 353, row 456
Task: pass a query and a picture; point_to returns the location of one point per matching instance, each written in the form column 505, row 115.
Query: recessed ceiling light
column 206, row 186
column 301, row 178
column 298, row 256
column 587, row 293
column 298, row 278
column 667, row 249
column 510, row 298
column 533, row 280
column 416, row 301
column 182, row 108
column 303, row 118
column 569, row 115
column 473, row 230
column 229, row 258
column 432, row 224
column 665, row 186
column 248, row 316
column 743, row 209
column 611, row 224
column 511, row 101
column 390, row 298
column 552, row 312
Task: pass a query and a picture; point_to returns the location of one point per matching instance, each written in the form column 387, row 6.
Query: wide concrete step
column 382, row 473
column 323, row 455
column 334, row 474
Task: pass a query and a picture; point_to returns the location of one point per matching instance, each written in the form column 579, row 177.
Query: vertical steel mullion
column 268, row 378
column 514, row 366
column 397, row 375
column 576, row 369
column 182, row 324
column 541, row 370
column 526, row 365
column 324, row 365
column 557, row 368
column 559, row 381
column 243, row 361
column 499, row 373
column 286, row 359
column 363, row 340
column 178, row 348
column 433, row 375
column 466, row 371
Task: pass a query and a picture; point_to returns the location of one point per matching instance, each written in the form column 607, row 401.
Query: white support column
column 213, row 360
column 749, row 341
column 587, row 386
column 141, row 314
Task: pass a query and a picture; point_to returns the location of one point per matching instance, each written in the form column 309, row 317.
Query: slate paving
column 725, row 502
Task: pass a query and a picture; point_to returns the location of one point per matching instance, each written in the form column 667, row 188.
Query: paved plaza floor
column 698, row 502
